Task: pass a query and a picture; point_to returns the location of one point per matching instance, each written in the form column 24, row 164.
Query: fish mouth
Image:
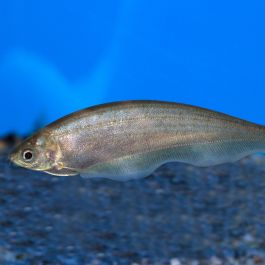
column 11, row 157
column 12, row 161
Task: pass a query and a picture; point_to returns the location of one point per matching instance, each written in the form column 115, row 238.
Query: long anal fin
column 122, row 169
column 141, row 165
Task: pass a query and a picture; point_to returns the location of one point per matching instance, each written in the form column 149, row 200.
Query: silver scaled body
column 130, row 139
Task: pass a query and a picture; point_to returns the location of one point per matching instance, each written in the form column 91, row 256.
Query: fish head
column 38, row 152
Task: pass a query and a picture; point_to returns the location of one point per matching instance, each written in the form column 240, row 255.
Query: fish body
column 130, row 139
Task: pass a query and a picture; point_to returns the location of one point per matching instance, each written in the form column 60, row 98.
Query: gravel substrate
column 179, row 215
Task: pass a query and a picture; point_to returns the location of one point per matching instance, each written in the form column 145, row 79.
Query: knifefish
column 130, row 139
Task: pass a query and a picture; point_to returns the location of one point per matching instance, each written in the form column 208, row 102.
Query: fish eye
column 27, row 155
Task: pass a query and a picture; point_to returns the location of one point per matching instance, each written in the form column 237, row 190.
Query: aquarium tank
column 57, row 57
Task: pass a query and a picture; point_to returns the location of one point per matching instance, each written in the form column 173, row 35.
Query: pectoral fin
column 62, row 172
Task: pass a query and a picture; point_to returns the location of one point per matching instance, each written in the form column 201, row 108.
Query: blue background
column 60, row 56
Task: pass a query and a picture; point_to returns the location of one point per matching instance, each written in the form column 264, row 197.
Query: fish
column 130, row 139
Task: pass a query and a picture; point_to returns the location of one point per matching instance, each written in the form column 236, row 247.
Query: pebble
column 215, row 261
column 248, row 238
column 27, row 209
column 175, row 262
column 6, row 255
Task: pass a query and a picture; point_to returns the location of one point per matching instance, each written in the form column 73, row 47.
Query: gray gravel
column 179, row 215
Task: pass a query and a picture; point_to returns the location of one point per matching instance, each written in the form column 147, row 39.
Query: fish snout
column 11, row 157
